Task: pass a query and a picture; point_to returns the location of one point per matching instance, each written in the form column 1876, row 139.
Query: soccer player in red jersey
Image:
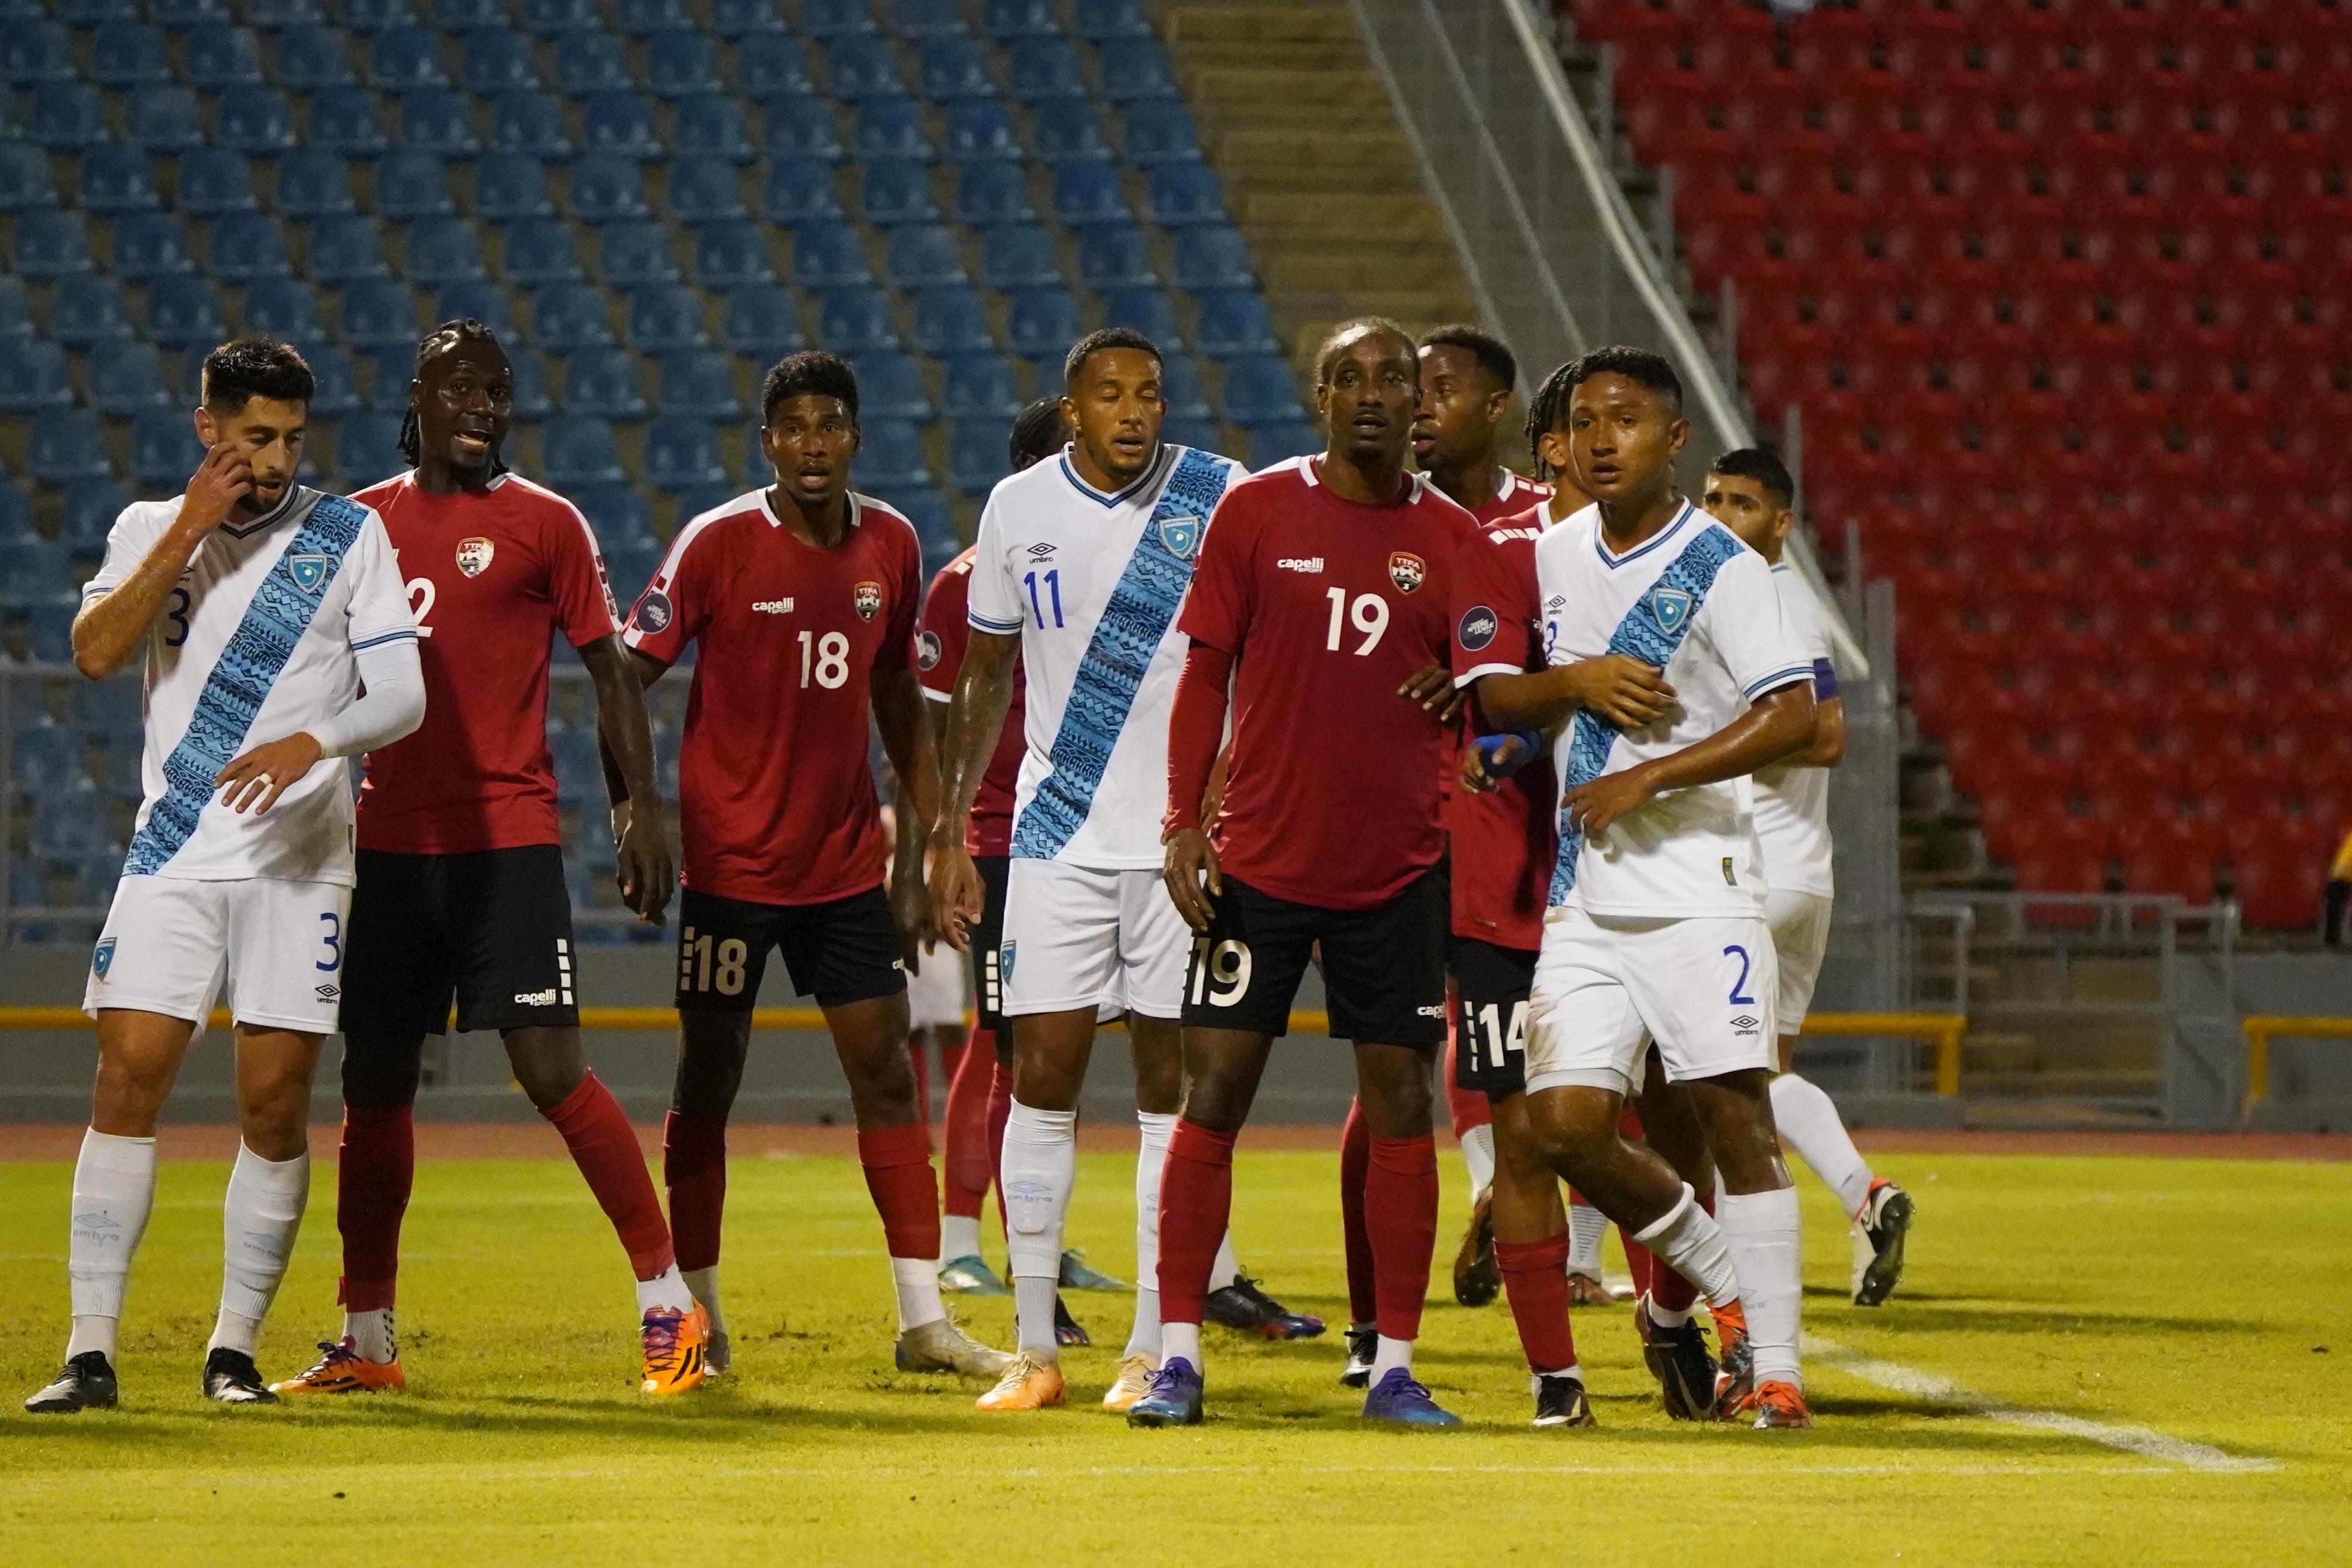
column 460, row 889
column 1320, row 600
column 801, row 599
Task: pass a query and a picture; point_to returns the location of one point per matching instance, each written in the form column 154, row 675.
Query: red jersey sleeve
column 1217, row 607
column 1495, row 608
column 940, row 646
column 897, row 650
column 576, row 581
column 672, row 610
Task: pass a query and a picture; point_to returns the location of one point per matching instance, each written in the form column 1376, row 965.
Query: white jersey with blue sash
column 1697, row 602
column 1092, row 582
column 256, row 643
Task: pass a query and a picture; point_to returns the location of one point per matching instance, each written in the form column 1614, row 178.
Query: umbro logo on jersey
column 1039, row 552
column 474, row 555
column 771, row 606
column 652, row 612
column 308, row 571
column 1556, row 602
column 867, row 600
column 1407, row 571
column 101, row 958
column 927, row 650
column 1478, row 627
column 1301, row 564
column 1671, row 606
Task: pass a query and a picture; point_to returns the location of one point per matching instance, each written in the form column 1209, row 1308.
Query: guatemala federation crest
column 1181, row 535
column 1005, row 963
column 867, row 600
column 474, row 555
column 1407, row 571
column 101, row 958
column 308, row 571
column 1671, row 606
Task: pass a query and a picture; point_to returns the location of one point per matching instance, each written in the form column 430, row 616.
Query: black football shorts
column 839, row 952
column 1490, row 1037
column 491, row 929
column 987, row 938
column 1383, row 969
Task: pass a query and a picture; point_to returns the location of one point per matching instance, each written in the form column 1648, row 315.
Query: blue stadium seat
column 553, row 18
column 711, row 126
column 529, row 124
column 1045, row 69
column 803, row 128
column 800, row 190
column 1234, row 321
column 66, row 444
column 603, row 383
column 91, row 505
column 314, row 183
column 605, row 189
column 257, row 121
column 680, row 63
column 954, row 68
column 87, row 309
column 771, row 66
column 396, row 367
column 245, row 247
column 184, row 313
column 890, row 455
column 705, row 190
column 68, row 116
column 497, row 59
column 1089, row 193
column 312, row 59
column 699, row 383
column 347, row 250
column 218, row 57
column 977, row 386
column 1195, row 433
column 27, row 181
column 934, row 529
column 990, row 193
column 1212, row 257
column 1101, row 20
column 976, row 455
column 1160, row 130
column 855, row 320
column 334, row 390
column 163, row 119
column 621, row 123
column 1115, row 256
column 635, row 252
column 924, row 254
column 1067, row 131
column 1186, row 193
column 763, row 324
column 618, row 514
column 950, row 321
column 1020, row 256
column 35, row 52
column 890, row 386
column 927, row 18
column 473, row 17
column 283, row 308
column 1146, row 310
column 439, row 120
column 15, row 515
column 532, row 401
column 508, row 186
column 346, row 123
column 129, row 55
column 826, row 254
column 373, row 16
column 410, row 184
column 1284, row 439
column 483, row 301
column 443, row 250
column 16, row 310
column 126, row 376
column 745, row 20
column 891, row 128
column 665, row 318
column 367, row 449
column 115, row 180
column 378, row 314
column 730, row 254
column 541, row 251
column 215, row 182
column 164, row 449
column 682, row 453
column 646, row 18
column 41, row 758
column 1043, row 324
column 835, row 18
column 980, row 129
column 1006, row 20
column 578, row 450
column 33, row 376
column 72, row 823
column 592, row 62
column 1260, row 389
column 94, row 13
column 403, row 57
column 897, row 190
column 861, row 68
column 50, row 245
column 1181, row 391
column 1137, row 70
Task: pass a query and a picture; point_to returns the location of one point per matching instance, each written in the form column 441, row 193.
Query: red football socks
column 1196, row 1202
column 1535, row 1279
column 1401, row 1216
column 897, row 1162
column 694, row 1168
column 968, row 1166
column 1355, row 1163
column 374, row 1173
column 605, row 1147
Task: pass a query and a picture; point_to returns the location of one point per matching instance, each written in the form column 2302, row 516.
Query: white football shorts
column 272, row 949
column 936, row 992
column 1079, row 937
column 1801, row 934
column 1700, row 987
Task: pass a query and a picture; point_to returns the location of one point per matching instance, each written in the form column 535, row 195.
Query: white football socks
column 959, row 1235
column 916, row 1282
column 1693, row 1246
column 1760, row 1233
column 1180, row 1342
column 1811, row 1126
column 259, row 1222
column 1390, row 1353
column 1041, row 1166
column 371, row 1336
column 1150, row 1163
column 1586, row 1227
column 113, row 1192
column 704, row 1284
column 1478, row 1153
column 667, row 1288
column 1227, row 1268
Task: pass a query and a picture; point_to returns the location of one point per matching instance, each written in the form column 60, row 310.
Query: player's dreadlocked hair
column 245, row 368
column 1038, row 433
column 1548, row 412
column 1756, row 463
column 432, row 345
column 1494, row 356
column 1328, row 352
column 813, row 372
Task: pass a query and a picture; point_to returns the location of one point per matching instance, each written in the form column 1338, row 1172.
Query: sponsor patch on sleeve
column 1478, row 627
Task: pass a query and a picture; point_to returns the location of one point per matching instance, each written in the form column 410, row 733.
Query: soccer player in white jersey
column 259, row 609
column 1750, row 492
column 1656, row 929
column 1080, row 567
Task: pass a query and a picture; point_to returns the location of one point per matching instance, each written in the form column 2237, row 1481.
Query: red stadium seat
column 2280, row 891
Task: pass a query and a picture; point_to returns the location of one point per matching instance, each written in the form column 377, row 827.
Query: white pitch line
column 1935, row 1390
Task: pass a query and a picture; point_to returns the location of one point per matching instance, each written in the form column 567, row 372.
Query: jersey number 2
column 420, row 603
column 1739, row 985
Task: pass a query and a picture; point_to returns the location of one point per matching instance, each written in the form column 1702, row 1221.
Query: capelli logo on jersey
column 474, row 555
column 1407, row 571
column 1436, row 1012
column 866, row 599
column 1301, row 564
column 771, row 606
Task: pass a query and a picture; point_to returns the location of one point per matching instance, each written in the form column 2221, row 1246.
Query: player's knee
column 1214, row 1103
column 381, row 1075
column 547, row 1063
column 128, row 1096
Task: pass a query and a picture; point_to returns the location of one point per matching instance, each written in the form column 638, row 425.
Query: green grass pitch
column 2203, row 1300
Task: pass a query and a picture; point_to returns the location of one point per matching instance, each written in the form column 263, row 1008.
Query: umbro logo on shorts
column 329, row 993
column 1746, row 1022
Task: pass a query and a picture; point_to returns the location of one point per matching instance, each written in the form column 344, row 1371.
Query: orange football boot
column 1734, row 1378
column 675, row 1346
column 1027, row 1384
column 1780, row 1405
column 342, row 1370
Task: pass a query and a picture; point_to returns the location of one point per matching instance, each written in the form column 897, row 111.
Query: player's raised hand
column 220, row 481
column 1193, row 879
column 643, row 866
column 1623, row 689
column 956, row 892
column 1593, row 806
column 258, row 777
column 1433, row 687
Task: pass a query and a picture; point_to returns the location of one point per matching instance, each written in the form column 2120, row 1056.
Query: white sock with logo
column 1586, row 1227
column 259, row 1219
column 1041, row 1166
column 371, row 1336
column 1809, row 1125
column 1150, row 1163
column 113, row 1193
column 1760, row 1230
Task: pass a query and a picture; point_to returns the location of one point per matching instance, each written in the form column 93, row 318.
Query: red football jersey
column 776, row 797
column 492, row 574
column 1513, row 495
column 1503, row 841
column 1331, row 798
column 939, row 655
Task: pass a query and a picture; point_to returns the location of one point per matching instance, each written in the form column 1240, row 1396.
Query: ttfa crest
column 474, row 555
column 867, row 600
column 1407, row 571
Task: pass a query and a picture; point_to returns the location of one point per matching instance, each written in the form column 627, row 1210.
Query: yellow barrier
column 1946, row 1029
column 2262, row 1027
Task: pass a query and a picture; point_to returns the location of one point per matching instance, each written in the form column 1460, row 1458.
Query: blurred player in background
column 1749, row 491
column 259, row 609
column 461, row 891
column 801, row 599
